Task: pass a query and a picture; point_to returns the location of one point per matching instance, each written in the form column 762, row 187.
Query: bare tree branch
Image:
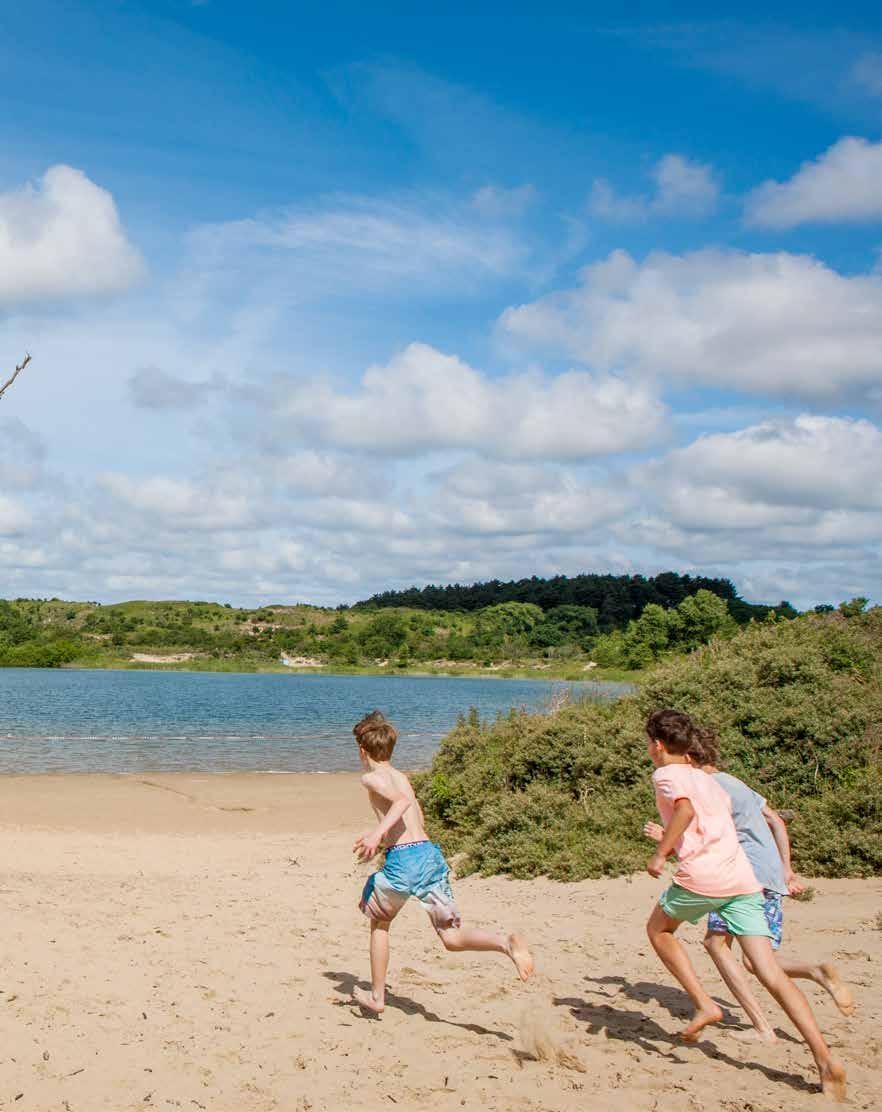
column 15, row 375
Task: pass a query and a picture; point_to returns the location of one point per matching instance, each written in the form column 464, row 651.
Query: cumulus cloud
column 520, row 499
column 15, row 518
column 764, row 323
column 682, row 188
column 424, row 400
column 843, row 184
column 812, row 481
column 170, row 500
column 62, row 238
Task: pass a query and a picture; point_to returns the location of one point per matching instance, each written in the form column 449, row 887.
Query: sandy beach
column 191, row 942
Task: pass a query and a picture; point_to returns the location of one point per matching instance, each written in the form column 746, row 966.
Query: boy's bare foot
column 520, row 955
column 833, row 1080
column 701, row 1020
column 837, row 988
column 368, row 1001
column 751, row 1034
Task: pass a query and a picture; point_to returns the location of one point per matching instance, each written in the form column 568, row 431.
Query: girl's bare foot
column 368, row 1001
column 833, row 1080
column 520, row 955
column 752, row 1034
column 700, row 1020
column 837, row 988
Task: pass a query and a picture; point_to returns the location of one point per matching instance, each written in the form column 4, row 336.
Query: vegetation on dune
column 798, row 706
column 507, row 637
column 616, row 599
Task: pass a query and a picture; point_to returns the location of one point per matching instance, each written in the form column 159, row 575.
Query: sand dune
column 191, row 942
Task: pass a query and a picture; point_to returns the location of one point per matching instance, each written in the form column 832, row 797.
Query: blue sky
column 325, row 302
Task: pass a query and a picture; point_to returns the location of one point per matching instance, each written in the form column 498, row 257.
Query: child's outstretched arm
column 368, row 844
column 683, row 814
column 782, row 840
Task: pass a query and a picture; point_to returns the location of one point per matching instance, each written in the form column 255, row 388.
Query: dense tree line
column 617, row 599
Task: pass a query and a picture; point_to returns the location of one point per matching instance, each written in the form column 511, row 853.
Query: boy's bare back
column 386, row 785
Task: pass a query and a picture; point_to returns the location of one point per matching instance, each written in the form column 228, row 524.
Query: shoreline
column 598, row 675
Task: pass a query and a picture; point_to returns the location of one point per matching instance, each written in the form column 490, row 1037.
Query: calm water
column 100, row 721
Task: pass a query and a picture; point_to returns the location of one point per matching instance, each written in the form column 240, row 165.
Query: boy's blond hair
column 376, row 736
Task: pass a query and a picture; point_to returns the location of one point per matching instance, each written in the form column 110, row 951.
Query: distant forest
column 618, row 599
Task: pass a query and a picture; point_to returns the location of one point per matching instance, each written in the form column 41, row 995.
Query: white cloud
column 812, row 481
column 15, row 518
column 22, row 456
column 175, row 501
column 682, row 188
column 764, row 323
column 843, row 184
column 62, row 238
column 361, row 241
column 478, row 498
column 424, row 400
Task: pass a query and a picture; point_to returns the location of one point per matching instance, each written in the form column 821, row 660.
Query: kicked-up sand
column 192, row 942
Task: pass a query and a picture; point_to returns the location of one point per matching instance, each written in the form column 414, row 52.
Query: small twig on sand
column 15, row 375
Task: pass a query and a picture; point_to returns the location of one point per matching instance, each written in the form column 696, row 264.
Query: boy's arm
column 368, row 844
column 683, row 814
column 782, row 840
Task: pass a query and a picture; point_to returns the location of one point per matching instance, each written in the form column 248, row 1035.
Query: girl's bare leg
column 719, row 946
column 375, row 1000
column 660, row 930
column 759, row 950
column 458, row 939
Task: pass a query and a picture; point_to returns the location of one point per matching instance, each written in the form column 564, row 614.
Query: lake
column 104, row 721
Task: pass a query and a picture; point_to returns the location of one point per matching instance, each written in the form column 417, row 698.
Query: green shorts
column 742, row 915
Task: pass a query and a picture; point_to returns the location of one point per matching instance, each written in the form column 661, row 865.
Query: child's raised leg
column 791, row 999
column 457, row 939
column 375, row 1000
column 660, row 929
column 824, row 974
column 719, row 946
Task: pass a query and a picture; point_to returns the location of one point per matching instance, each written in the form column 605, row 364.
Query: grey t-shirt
column 754, row 833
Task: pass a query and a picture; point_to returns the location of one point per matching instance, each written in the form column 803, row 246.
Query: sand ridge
column 187, row 942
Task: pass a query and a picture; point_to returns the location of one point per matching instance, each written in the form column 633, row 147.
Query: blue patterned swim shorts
column 414, row 869
column 773, row 906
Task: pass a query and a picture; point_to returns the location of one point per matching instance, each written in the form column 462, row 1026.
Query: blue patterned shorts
column 774, row 910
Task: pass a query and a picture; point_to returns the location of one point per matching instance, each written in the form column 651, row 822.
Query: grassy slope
column 798, row 706
column 181, row 625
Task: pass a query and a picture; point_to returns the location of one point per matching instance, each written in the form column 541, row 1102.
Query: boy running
column 763, row 836
column 714, row 874
column 414, row 866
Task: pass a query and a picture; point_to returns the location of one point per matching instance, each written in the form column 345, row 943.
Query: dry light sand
column 191, row 942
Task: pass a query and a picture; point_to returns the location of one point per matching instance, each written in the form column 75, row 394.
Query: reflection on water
column 102, row 721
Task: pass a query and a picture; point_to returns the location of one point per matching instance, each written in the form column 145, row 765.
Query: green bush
column 797, row 704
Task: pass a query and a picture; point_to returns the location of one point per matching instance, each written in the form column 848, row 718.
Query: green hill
column 505, row 638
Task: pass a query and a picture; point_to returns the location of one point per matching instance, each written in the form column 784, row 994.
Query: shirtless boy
column 414, row 866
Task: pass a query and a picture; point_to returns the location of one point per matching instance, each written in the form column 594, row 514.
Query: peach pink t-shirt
column 711, row 861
